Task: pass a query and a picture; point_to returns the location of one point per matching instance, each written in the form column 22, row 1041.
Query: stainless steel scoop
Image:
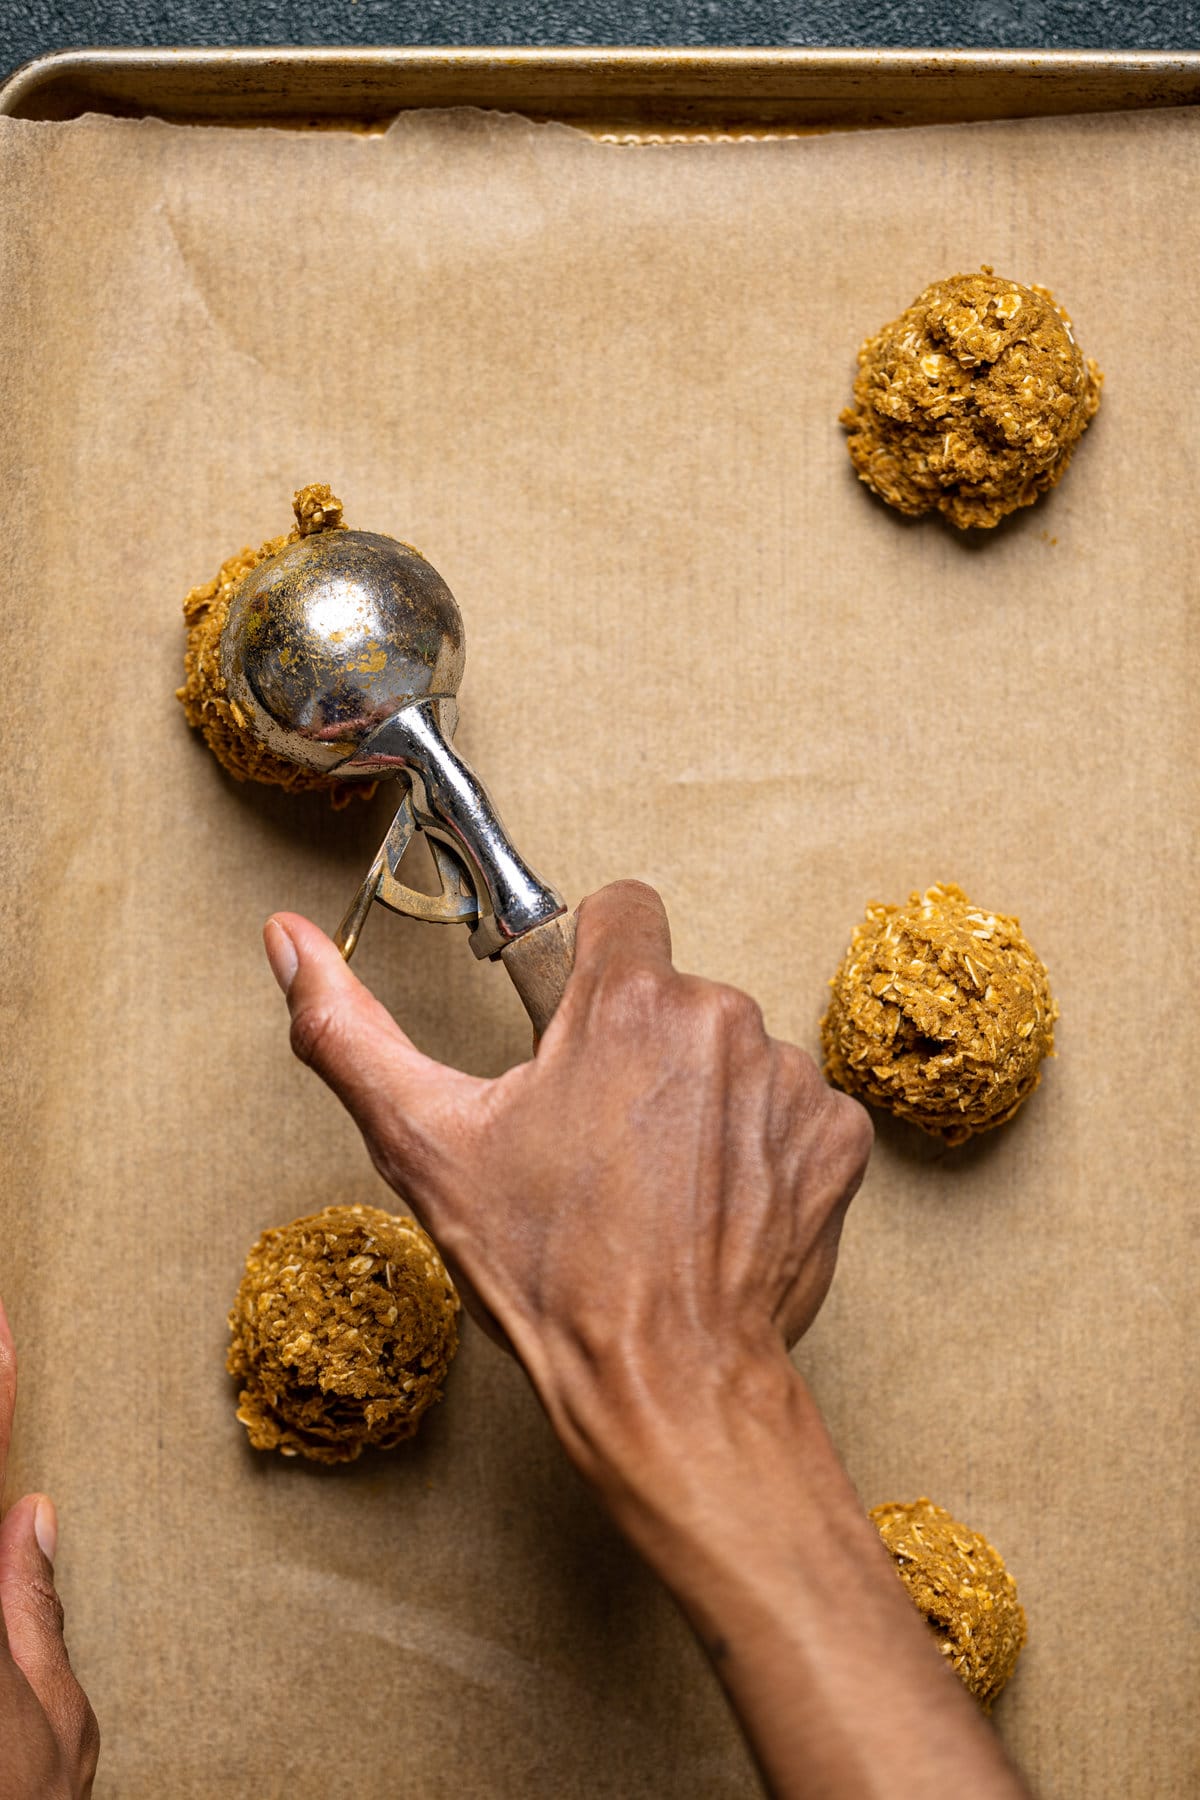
column 343, row 653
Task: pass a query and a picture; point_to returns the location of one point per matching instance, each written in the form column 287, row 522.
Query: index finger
column 628, row 920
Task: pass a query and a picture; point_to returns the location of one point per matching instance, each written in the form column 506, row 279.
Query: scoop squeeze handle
column 539, row 964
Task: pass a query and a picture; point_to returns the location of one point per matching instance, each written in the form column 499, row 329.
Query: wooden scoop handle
column 539, row 964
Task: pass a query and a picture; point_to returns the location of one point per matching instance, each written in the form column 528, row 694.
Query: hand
column 655, row 1200
column 47, row 1728
column 648, row 1212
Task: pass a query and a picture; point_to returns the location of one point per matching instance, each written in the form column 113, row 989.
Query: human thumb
column 391, row 1089
column 33, row 1616
column 33, row 1623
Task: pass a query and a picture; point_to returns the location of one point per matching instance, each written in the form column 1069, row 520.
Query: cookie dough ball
column 941, row 1013
column 220, row 721
column 971, row 403
column 343, row 1329
column 961, row 1585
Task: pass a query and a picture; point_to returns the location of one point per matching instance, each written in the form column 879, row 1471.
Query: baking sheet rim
column 1030, row 80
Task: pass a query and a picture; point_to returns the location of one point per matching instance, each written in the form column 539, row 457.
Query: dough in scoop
column 219, row 720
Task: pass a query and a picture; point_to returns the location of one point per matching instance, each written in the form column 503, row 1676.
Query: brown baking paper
column 599, row 388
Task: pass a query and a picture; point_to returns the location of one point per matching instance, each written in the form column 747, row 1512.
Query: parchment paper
column 599, row 388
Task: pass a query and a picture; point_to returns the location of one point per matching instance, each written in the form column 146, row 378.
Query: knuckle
column 799, row 1087
column 86, row 1736
column 39, row 1597
column 725, row 1013
column 417, row 1157
column 636, row 992
column 396, row 1162
column 317, row 1033
column 843, row 1125
column 852, row 1124
column 801, row 1070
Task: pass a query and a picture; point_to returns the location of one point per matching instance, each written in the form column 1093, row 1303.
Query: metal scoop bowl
column 343, row 654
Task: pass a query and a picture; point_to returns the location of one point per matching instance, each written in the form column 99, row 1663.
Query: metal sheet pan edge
column 638, row 94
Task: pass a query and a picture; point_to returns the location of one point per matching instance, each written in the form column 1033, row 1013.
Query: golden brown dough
column 220, row 721
column 343, row 1329
column 972, row 402
column 941, row 1013
column 959, row 1582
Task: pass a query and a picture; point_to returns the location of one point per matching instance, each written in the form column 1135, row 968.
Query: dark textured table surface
column 32, row 27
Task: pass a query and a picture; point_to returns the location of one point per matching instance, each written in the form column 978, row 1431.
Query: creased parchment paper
column 599, row 388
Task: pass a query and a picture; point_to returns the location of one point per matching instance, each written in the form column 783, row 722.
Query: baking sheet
column 599, row 388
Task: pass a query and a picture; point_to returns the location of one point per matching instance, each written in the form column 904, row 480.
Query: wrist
column 694, row 1454
column 728, row 1483
column 721, row 1473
